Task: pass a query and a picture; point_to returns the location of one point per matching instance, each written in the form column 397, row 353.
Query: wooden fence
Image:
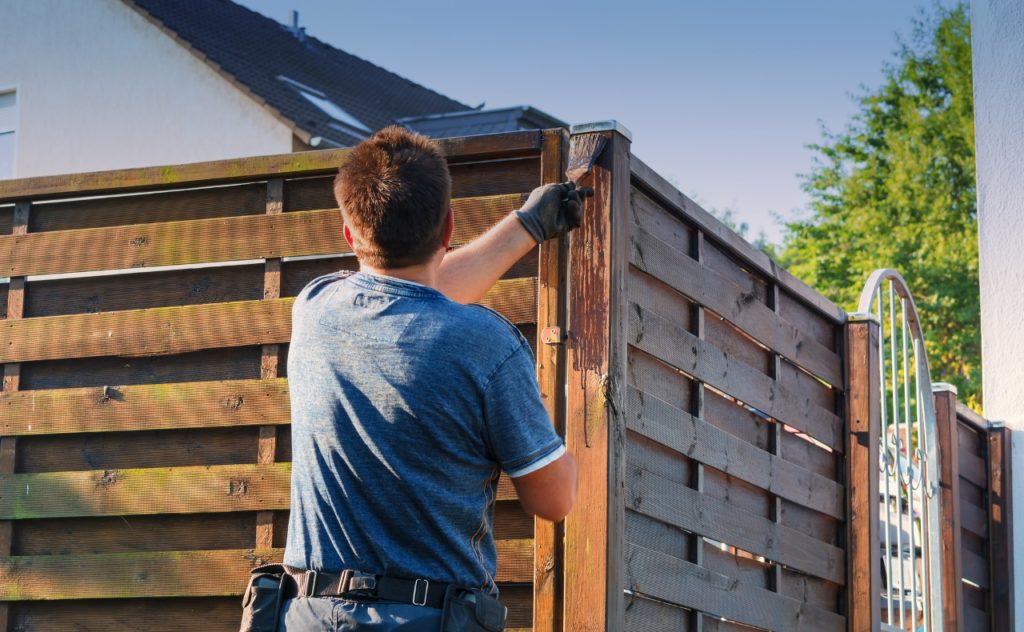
column 144, row 464
column 976, row 504
column 711, row 400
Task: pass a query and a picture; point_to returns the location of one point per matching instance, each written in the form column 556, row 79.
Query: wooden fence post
column 596, row 364
column 864, row 417
column 551, row 305
column 949, row 504
column 1000, row 534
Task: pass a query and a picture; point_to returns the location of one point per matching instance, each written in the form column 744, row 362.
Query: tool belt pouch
column 261, row 602
column 469, row 610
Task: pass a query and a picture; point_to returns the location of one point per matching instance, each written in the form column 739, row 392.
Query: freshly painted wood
column 302, row 233
column 1000, row 517
column 653, row 334
column 551, row 306
column 949, row 506
column 307, row 163
column 696, row 438
column 702, row 514
column 862, row 459
column 720, row 295
column 657, row 185
column 683, row 583
column 145, row 407
column 167, row 330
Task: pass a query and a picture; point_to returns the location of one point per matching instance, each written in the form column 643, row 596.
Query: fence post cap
column 863, row 317
column 944, row 387
column 610, row 125
column 996, row 425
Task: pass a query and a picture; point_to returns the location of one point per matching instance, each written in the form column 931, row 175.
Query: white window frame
column 16, row 89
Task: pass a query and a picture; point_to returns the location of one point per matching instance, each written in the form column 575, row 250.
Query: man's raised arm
column 468, row 273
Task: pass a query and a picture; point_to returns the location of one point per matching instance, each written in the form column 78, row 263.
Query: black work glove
column 553, row 210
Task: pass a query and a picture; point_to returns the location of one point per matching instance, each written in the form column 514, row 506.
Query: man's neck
column 424, row 274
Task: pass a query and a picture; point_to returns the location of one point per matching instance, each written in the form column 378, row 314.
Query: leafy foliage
column 896, row 189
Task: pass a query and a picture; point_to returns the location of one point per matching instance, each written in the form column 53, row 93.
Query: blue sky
column 722, row 96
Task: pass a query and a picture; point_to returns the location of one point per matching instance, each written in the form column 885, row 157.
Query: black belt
column 356, row 585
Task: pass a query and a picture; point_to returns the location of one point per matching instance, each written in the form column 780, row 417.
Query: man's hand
column 553, row 210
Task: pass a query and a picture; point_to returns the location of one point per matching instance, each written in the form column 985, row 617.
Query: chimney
column 298, row 31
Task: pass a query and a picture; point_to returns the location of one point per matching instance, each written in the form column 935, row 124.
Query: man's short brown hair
column 395, row 191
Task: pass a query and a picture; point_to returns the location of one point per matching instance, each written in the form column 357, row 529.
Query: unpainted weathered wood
column 10, row 382
column 683, row 350
column 114, row 492
column 596, row 380
column 725, row 298
column 863, row 417
column 651, row 181
column 704, row 442
column 240, row 169
column 686, row 584
column 315, row 232
column 173, row 573
column 145, row 407
column 169, row 330
column 704, row 515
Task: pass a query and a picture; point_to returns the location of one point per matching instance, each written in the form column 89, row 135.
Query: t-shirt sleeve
column 517, row 424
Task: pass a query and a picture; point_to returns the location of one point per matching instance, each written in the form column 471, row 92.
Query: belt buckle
column 416, row 589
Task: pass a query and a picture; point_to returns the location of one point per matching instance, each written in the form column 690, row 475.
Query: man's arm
column 549, row 492
column 468, row 273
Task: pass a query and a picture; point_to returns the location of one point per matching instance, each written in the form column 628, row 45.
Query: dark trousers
column 332, row 614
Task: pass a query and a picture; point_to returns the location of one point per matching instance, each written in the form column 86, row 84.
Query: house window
column 7, row 116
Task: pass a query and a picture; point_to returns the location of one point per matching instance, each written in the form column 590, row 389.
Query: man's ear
column 449, row 229
column 348, row 238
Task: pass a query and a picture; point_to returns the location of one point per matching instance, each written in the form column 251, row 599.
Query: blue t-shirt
column 405, row 406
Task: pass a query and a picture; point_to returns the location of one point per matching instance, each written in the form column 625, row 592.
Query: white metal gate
column 909, row 540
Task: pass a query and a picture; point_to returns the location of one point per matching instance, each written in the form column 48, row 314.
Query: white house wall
column 100, row 87
column 998, row 52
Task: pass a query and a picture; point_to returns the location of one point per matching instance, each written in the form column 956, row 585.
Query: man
column 406, row 404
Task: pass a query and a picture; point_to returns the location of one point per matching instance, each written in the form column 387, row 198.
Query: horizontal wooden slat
column 305, row 163
column 653, row 182
column 973, row 468
column 209, row 614
column 680, row 582
column 172, row 490
column 652, row 334
column 145, row 407
column 148, row 491
column 174, row 573
column 976, row 620
column 704, row 515
column 724, row 297
column 317, row 232
column 974, row 519
column 704, row 442
column 167, row 330
column 975, row 569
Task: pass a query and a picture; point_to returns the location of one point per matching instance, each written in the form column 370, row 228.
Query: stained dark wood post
column 949, row 505
column 1000, row 512
column 551, row 306
column 596, row 363
column 863, row 413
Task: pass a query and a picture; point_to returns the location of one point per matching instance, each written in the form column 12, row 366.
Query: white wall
column 100, row 87
column 998, row 49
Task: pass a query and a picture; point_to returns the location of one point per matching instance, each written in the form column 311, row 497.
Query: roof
column 290, row 72
column 472, row 122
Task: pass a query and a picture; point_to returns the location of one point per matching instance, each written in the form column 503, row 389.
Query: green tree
column 896, row 189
